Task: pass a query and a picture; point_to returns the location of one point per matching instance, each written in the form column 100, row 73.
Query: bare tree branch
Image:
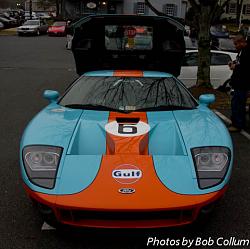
column 225, row 4
column 216, row 12
column 156, row 11
column 195, row 5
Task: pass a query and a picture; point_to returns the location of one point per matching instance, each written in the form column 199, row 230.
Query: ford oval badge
column 126, row 190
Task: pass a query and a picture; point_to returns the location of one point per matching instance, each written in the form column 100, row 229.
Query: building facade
column 79, row 8
column 231, row 10
column 38, row 6
column 176, row 8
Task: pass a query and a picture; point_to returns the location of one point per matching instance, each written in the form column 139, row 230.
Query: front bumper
column 26, row 31
column 56, row 33
column 173, row 215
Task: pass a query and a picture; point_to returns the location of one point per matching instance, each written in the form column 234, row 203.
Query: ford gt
column 125, row 148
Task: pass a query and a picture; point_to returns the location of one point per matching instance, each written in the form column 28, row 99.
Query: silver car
column 36, row 27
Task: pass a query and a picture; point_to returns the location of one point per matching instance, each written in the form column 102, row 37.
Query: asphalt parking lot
column 28, row 66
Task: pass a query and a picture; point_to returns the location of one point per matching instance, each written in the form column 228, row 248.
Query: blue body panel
column 82, row 136
column 156, row 74
column 100, row 73
column 79, row 171
column 90, row 135
column 201, row 127
column 164, row 136
column 54, row 125
column 194, row 128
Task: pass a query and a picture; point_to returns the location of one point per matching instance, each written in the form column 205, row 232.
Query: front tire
column 46, row 213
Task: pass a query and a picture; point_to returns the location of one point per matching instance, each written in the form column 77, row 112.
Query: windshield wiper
column 165, row 108
column 93, row 107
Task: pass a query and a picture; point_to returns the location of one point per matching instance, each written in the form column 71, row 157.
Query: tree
column 238, row 11
column 206, row 12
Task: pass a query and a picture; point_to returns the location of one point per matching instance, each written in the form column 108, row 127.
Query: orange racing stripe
column 129, row 73
column 137, row 145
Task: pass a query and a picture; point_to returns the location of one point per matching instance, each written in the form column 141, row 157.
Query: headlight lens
column 41, row 164
column 211, row 165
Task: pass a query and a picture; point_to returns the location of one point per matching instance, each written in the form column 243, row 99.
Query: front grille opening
column 81, row 215
column 128, row 120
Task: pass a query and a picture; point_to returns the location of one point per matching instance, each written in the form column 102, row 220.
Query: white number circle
column 127, row 130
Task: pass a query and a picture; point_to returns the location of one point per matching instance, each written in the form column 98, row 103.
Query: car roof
column 125, row 16
column 212, row 51
column 128, row 73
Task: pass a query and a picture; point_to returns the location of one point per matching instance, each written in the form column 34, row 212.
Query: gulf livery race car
column 125, row 148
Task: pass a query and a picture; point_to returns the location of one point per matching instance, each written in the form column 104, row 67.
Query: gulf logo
column 127, row 174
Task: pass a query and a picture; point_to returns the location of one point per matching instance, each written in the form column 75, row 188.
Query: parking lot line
column 46, row 227
column 223, row 117
column 228, row 121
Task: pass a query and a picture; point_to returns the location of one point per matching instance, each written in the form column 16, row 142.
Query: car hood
column 29, row 26
column 91, row 145
column 55, row 125
column 4, row 19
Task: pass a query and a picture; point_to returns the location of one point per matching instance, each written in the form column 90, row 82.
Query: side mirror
column 51, row 95
column 206, row 99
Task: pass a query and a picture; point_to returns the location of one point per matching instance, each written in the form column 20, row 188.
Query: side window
column 219, row 59
column 190, row 59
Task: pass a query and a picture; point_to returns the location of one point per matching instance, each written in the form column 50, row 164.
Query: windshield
column 31, row 22
column 59, row 24
column 128, row 94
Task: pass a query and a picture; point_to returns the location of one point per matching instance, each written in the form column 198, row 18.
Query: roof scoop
column 128, row 120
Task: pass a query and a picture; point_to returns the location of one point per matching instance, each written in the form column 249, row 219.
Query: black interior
column 90, row 53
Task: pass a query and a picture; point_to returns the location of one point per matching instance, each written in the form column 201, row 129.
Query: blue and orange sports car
column 125, row 148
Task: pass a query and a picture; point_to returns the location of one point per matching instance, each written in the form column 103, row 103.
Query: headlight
column 41, row 164
column 211, row 165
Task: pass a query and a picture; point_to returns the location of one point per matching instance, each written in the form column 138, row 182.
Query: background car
column 219, row 31
column 28, row 17
column 219, row 70
column 191, row 44
column 13, row 21
column 6, row 22
column 223, row 44
column 58, row 28
column 36, row 27
column 1, row 25
column 43, row 15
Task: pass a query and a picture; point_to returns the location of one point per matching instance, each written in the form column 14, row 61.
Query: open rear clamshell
column 128, row 42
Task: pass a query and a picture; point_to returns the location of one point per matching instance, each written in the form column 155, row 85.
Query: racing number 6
column 127, row 129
